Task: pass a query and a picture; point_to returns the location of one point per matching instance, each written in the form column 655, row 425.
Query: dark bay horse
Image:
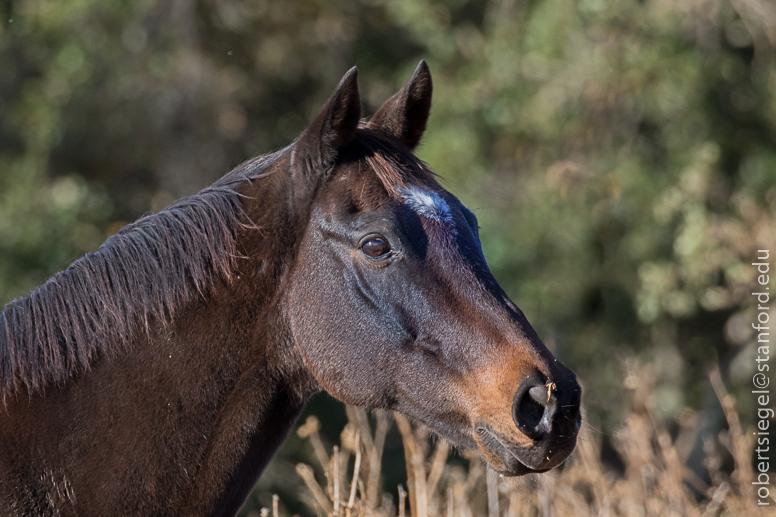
column 158, row 375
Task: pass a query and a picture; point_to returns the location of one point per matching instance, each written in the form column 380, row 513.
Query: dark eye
column 375, row 247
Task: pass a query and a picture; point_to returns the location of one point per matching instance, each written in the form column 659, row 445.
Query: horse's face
column 392, row 305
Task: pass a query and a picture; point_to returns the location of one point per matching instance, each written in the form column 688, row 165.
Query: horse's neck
column 263, row 383
column 257, row 404
column 198, row 404
column 249, row 362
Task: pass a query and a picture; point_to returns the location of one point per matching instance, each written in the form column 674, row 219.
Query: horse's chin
column 502, row 459
column 501, row 452
column 513, row 460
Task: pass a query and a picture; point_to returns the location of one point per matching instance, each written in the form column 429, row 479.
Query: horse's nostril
column 533, row 407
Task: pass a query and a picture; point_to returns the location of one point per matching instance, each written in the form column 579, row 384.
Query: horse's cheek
column 338, row 343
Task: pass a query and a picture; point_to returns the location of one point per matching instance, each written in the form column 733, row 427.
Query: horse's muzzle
column 545, row 411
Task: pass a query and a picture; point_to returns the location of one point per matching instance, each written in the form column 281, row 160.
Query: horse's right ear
column 404, row 115
column 316, row 148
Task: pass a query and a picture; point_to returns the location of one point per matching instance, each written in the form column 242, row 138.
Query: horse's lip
column 513, row 465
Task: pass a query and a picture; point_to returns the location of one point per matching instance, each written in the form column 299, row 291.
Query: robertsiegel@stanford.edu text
column 761, row 379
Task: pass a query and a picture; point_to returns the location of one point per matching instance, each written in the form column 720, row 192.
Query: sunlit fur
column 427, row 203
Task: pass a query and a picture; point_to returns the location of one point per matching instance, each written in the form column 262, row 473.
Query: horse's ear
column 404, row 115
column 335, row 126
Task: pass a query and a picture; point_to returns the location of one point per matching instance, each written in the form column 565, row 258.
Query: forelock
column 393, row 163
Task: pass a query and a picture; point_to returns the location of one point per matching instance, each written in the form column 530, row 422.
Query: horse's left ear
column 404, row 115
column 335, row 126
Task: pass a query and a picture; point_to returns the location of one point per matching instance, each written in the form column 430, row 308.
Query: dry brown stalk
column 306, row 473
column 311, row 431
column 416, row 471
column 438, row 463
column 492, row 479
column 740, row 444
column 354, row 483
column 336, row 480
column 513, row 504
column 375, row 459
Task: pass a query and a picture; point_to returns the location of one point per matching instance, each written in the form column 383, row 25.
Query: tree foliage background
column 620, row 154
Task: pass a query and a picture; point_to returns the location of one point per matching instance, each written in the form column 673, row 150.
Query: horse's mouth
column 513, row 460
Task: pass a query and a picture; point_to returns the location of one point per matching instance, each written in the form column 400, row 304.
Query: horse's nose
column 542, row 408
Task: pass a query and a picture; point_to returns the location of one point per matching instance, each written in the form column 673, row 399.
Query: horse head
column 390, row 301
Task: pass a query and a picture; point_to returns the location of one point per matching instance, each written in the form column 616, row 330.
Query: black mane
column 141, row 274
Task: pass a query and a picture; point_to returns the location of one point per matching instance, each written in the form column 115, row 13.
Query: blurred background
column 620, row 156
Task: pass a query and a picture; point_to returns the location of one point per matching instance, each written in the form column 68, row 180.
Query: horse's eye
column 376, row 247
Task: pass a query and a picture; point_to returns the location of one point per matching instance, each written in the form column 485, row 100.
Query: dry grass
column 656, row 480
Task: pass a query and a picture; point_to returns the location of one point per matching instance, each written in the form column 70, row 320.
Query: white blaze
column 427, row 203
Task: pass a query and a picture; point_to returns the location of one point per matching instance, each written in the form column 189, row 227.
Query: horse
column 159, row 374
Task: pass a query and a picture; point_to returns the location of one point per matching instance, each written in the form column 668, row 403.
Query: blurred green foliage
column 620, row 154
